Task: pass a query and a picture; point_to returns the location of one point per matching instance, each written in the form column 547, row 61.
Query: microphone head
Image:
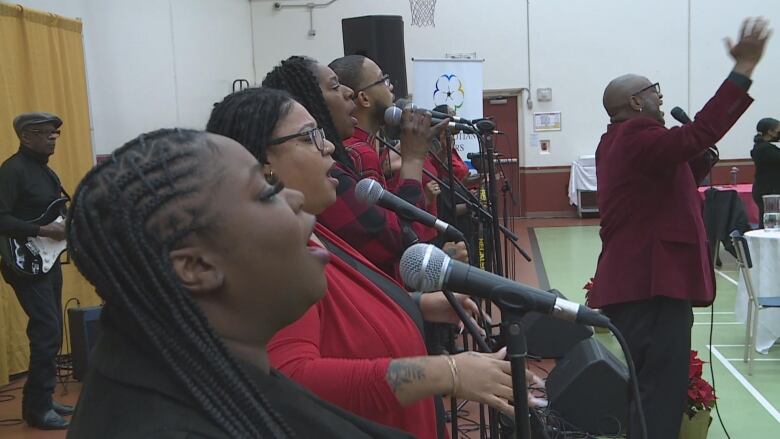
column 393, row 116
column 368, row 191
column 403, row 103
column 423, row 267
column 679, row 115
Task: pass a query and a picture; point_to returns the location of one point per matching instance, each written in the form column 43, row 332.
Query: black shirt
column 27, row 187
column 128, row 394
column 766, row 157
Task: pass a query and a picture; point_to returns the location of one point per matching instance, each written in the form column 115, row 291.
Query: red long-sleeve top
column 341, row 348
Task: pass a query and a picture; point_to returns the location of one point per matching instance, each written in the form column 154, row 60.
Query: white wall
column 153, row 63
column 157, row 63
column 281, row 33
column 709, row 64
column 576, row 48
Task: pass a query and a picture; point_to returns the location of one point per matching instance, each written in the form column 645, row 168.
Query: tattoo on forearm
column 400, row 373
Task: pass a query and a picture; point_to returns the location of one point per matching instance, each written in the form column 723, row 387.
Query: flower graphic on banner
column 449, row 91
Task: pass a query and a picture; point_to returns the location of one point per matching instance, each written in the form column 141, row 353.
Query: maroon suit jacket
column 652, row 233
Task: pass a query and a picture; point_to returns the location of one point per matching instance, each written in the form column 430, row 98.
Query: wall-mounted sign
column 547, row 121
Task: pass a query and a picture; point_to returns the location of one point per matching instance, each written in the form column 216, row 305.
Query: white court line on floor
column 745, row 383
column 717, row 323
column 727, row 277
column 706, row 313
column 754, row 359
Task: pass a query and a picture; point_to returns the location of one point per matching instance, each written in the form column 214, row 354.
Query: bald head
column 623, row 99
column 618, row 92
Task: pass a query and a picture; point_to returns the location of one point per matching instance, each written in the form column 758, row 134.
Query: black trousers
column 658, row 332
column 41, row 299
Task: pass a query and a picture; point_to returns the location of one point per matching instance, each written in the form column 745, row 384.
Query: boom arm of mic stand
column 473, row 204
column 476, row 206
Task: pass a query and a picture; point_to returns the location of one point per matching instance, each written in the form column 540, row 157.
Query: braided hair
column 297, row 75
column 127, row 214
column 250, row 116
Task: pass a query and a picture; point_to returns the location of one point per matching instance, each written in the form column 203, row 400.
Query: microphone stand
column 472, row 202
column 472, row 329
column 486, row 128
column 512, row 313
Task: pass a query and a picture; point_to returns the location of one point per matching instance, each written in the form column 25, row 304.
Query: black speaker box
column 381, row 38
column 84, row 324
column 551, row 337
column 589, row 389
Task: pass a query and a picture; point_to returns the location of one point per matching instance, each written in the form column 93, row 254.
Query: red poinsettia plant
column 701, row 395
column 588, row 287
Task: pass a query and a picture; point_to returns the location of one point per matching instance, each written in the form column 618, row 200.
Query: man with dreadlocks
column 199, row 261
column 378, row 234
column 27, row 187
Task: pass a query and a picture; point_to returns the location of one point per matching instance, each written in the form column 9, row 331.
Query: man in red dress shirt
column 655, row 264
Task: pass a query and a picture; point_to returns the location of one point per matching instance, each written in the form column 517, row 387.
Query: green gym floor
column 749, row 405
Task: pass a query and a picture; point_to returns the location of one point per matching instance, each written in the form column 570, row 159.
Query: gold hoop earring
column 271, row 178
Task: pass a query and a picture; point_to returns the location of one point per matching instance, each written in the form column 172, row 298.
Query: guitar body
column 35, row 255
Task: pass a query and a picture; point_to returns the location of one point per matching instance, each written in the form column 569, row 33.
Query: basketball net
column 423, row 12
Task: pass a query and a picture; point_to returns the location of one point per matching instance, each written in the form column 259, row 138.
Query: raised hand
column 747, row 52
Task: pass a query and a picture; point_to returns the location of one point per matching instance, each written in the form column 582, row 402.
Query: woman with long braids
column 361, row 346
column 199, row 261
column 766, row 158
column 376, row 233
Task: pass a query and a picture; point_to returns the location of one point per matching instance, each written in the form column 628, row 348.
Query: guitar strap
column 59, row 183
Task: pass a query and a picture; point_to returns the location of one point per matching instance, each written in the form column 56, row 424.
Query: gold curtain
column 42, row 69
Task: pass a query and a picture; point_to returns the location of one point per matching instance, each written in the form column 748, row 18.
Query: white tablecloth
column 765, row 251
column 583, row 176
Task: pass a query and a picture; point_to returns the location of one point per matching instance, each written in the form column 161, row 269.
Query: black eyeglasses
column 384, row 79
column 315, row 135
column 45, row 133
column 656, row 87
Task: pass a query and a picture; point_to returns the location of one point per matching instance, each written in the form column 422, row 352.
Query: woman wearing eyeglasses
column 361, row 346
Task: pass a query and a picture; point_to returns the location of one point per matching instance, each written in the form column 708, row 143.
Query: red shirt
column 360, row 148
column 341, row 348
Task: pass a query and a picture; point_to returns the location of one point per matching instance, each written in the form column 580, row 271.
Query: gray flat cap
column 25, row 120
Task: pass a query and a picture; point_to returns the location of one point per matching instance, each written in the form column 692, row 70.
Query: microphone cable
column 712, row 370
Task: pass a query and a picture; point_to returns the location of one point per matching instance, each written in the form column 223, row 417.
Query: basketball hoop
column 422, row 12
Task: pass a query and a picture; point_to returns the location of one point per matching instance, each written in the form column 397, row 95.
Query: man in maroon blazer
column 655, row 264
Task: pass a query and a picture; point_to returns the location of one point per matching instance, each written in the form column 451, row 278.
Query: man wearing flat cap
column 27, row 187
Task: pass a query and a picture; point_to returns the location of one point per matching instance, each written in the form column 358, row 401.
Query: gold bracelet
column 455, row 377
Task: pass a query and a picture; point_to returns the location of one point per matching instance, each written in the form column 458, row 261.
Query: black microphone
column 680, row 116
column 712, row 154
column 426, row 268
column 393, row 119
column 403, row 103
column 371, row 192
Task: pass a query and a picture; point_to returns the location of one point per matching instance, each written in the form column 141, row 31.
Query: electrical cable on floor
column 4, row 397
column 712, row 370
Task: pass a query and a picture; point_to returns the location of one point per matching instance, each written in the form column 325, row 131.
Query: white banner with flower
column 456, row 83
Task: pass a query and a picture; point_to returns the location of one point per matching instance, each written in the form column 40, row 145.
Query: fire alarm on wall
column 544, row 94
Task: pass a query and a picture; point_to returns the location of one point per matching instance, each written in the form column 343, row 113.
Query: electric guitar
column 35, row 255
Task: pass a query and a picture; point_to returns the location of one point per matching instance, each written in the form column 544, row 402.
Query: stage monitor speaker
column 381, row 38
column 551, row 337
column 84, row 331
column 589, row 389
